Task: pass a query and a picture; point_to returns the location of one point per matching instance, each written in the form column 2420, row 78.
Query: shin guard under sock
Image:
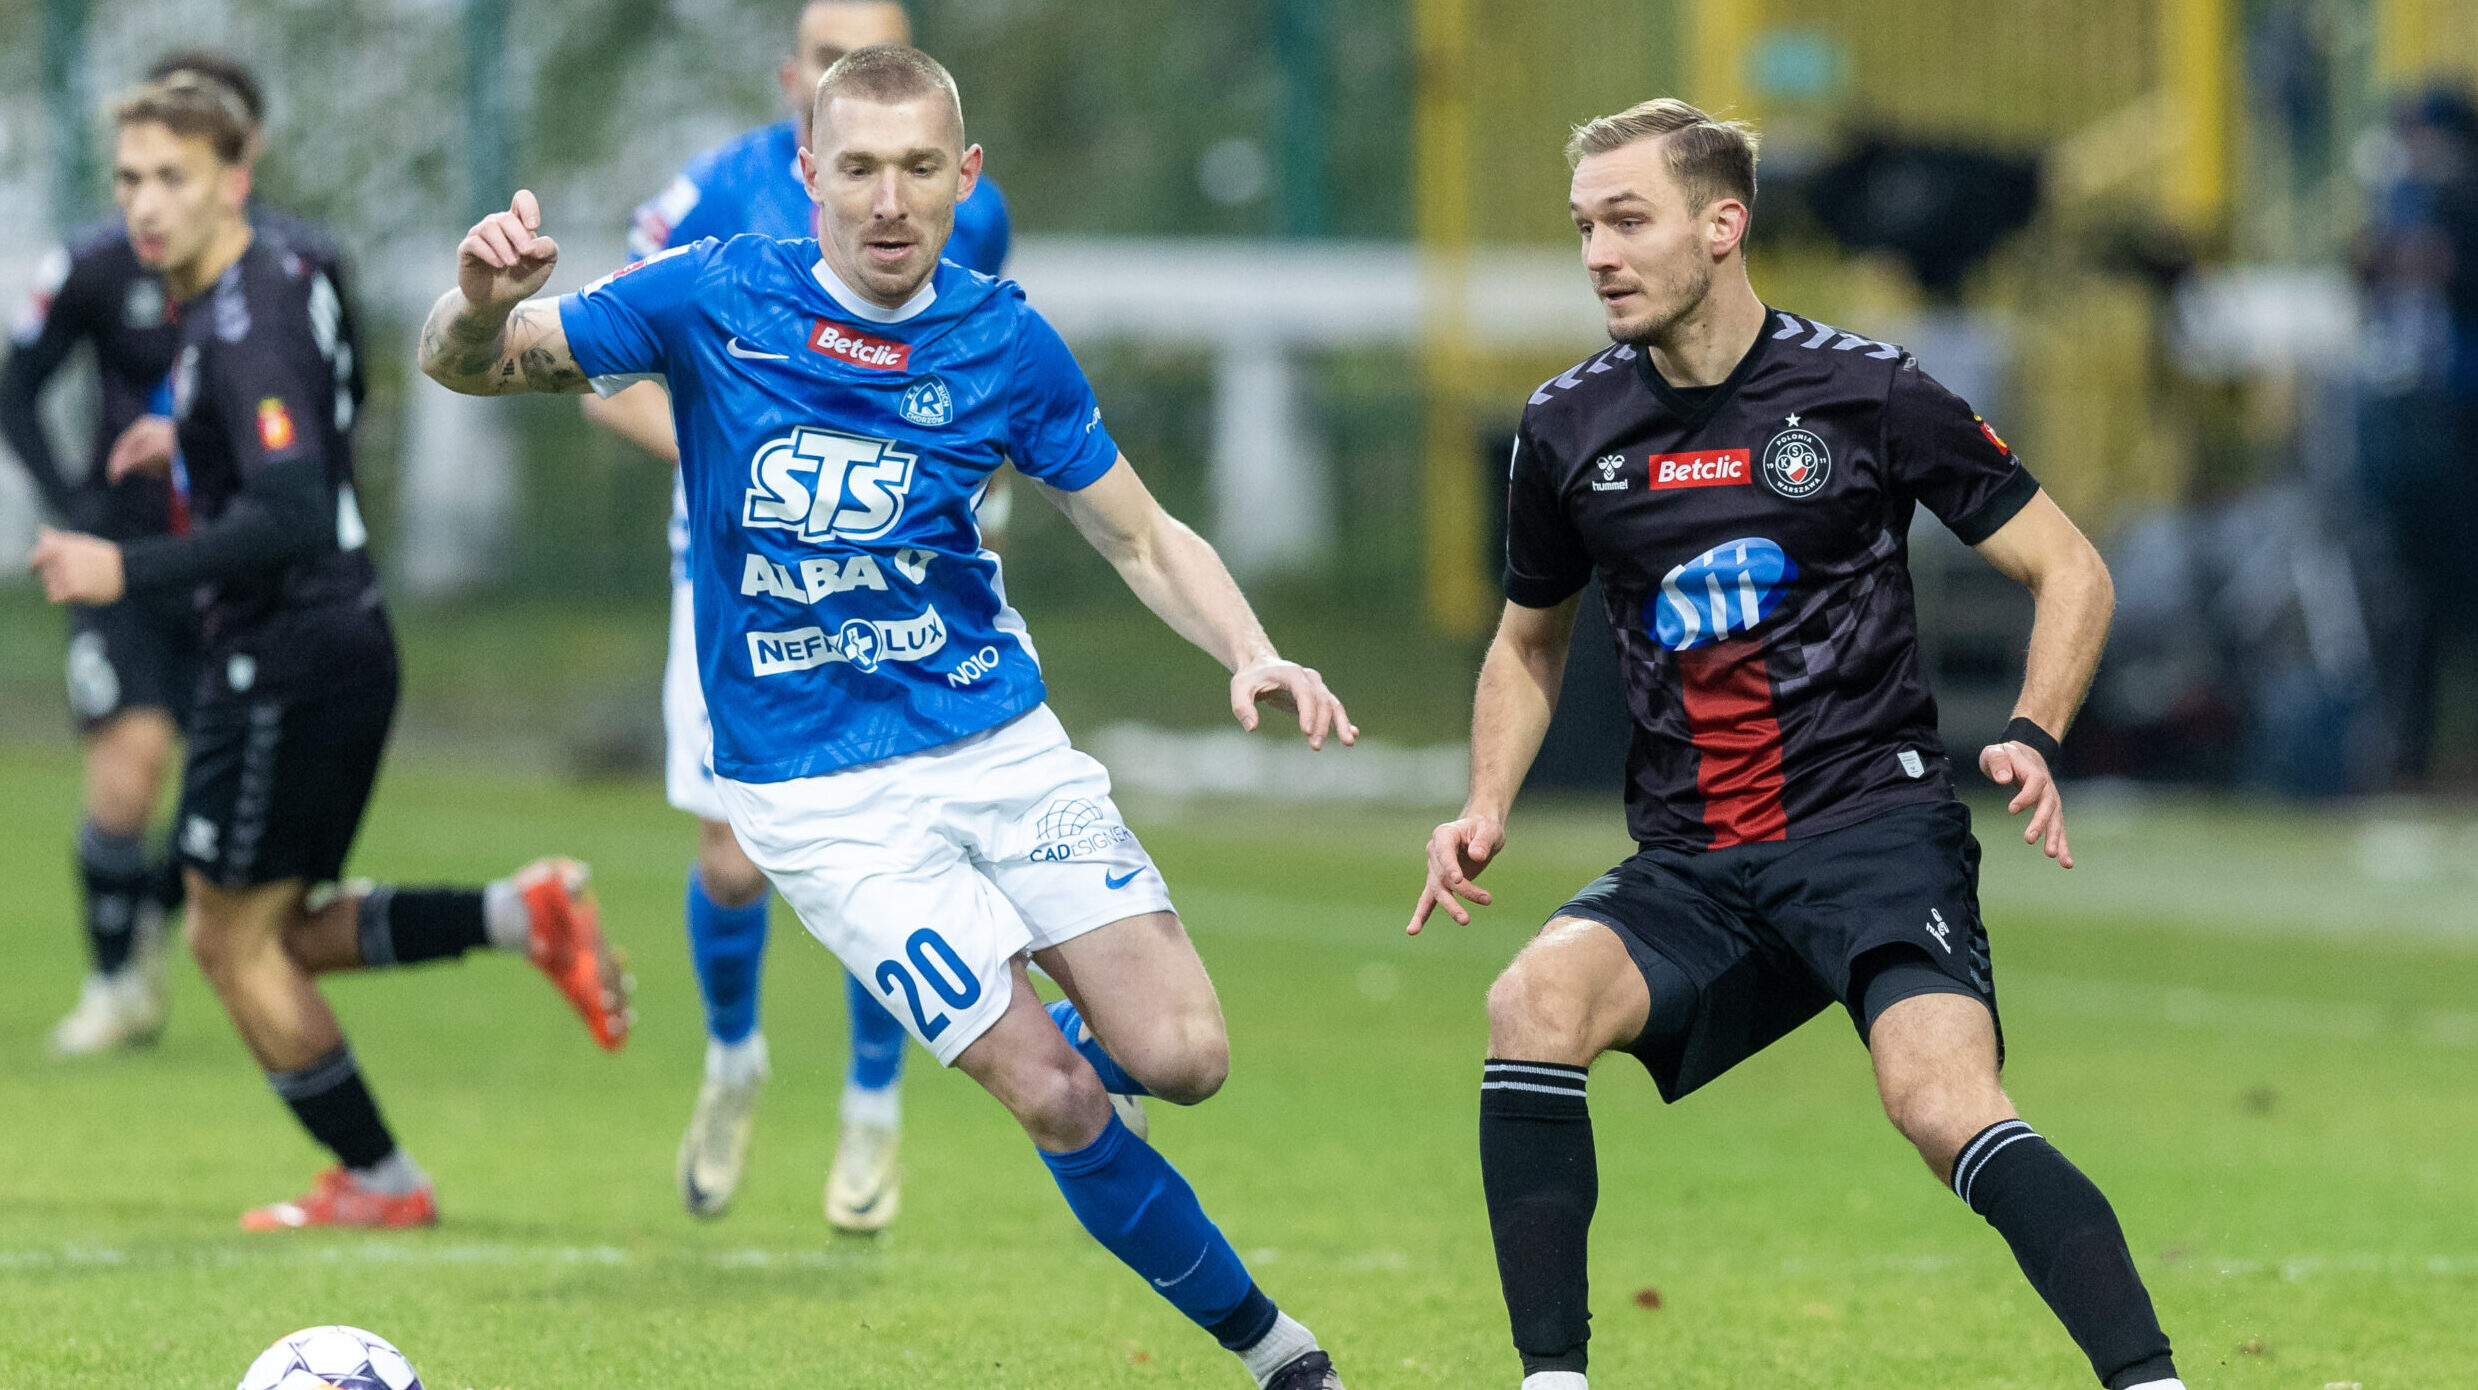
column 2067, row 1240
column 331, row 1102
column 1542, row 1183
column 406, row 926
column 112, row 870
column 1142, row 1211
column 877, row 1039
column 728, row 947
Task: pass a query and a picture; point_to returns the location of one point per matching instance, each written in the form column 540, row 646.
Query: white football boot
column 863, row 1188
column 716, row 1147
column 122, row 1009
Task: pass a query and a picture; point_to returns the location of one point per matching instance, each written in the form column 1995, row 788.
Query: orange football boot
column 567, row 945
column 338, row 1199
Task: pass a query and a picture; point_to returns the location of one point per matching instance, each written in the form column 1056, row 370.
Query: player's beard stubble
column 1667, row 304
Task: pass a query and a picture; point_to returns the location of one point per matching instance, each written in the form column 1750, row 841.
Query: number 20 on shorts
column 933, row 962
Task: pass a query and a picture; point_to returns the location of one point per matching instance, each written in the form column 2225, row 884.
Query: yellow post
column 1455, row 579
column 2198, row 49
column 1723, row 31
column 2404, row 42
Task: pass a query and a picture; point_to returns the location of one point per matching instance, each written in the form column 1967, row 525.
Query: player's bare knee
column 730, row 878
column 1939, row 1116
column 1059, row 1103
column 1191, row 1073
column 1537, row 1015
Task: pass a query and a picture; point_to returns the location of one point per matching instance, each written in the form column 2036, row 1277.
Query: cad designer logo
column 1796, row 463
column 928, row 403
column 1071, row 826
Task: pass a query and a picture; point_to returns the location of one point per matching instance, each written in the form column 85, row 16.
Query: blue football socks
column 1138, row 1206
column 877, row 1039
column 728, row 945
column 1114, row 1078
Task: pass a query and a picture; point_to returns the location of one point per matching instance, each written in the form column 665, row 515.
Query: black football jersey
column 1751, row 544
column 95, row 291
column 263, row 378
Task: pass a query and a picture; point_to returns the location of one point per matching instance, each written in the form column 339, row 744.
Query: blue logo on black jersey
column 1727, row 589
column 928, row 403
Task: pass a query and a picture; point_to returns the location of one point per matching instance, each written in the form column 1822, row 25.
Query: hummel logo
column 752, row 354
column 1936, row 928
column 1114, row 882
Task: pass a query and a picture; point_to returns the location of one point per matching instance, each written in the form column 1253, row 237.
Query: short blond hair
column 1709, row 158
column 891, row 73
column 188, row 104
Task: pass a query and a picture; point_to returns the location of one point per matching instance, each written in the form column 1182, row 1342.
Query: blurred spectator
column 2417, row 261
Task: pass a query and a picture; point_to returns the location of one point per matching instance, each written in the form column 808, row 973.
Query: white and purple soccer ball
column 331, row 1358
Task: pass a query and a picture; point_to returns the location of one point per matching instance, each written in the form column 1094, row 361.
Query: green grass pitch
column 2270, row 1065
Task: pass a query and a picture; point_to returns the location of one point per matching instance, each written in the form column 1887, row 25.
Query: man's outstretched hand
column 1457, row 851
column 2019, row 765
column 1290, row 686
column 77, row 568
column 503, row 260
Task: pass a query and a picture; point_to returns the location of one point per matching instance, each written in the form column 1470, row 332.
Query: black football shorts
column 1741, row 945
column 276, row 785
column 139, row 653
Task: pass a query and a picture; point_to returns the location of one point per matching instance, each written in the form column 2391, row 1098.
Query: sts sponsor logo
column 1071, row 826
column 827, row 485
column 1796, row 463
column 928, row 403
column 1726, row 590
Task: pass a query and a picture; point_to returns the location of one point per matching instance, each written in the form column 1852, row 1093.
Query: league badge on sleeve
column 928, row 403
column 275, row 426
column 1796, row 463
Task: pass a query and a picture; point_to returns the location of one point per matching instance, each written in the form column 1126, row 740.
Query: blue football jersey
column 752, row 184
column 831, row 451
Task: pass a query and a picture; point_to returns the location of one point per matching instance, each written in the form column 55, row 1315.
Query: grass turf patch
column 2283, row 1120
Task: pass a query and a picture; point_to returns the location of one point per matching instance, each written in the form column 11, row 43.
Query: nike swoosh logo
column 752, row 354
column 1118, row 881
column 1191, row 1269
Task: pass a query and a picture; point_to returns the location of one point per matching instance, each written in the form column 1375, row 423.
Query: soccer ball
column 331, row 1358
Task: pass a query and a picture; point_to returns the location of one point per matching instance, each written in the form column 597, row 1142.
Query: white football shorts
column 688, row 736
column 927, row 874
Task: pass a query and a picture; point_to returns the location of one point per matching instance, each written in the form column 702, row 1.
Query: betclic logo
column 1710, row 468
column 827, row 485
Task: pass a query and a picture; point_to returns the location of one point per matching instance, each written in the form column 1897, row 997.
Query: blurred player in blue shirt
column 881, row 744
column 753, row 184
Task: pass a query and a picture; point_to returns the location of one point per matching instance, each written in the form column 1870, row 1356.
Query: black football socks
column 406, row 926
column 331, row 1102
column 2066, row 1237
column 1542, row 1183
column 112, row 869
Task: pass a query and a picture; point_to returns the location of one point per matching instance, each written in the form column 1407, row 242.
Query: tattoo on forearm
column 545, row 372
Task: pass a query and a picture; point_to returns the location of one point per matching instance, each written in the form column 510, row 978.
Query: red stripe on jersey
column 1729, row 714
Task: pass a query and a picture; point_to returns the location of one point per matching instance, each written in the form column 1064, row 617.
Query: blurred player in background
column 753, row 184
column 299, row 677
column 1742, row 481
column 132, row 665
column 881, row 741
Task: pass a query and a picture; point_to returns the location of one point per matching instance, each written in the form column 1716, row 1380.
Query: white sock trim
column 740, row 1062
column 505, row 918
column 1555, row 1380
column 2170, row 1384
column 1286, row 1341
column 872, row 1105
column 393, row 1176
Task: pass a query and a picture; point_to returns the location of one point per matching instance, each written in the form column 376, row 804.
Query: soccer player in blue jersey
column 881, row 745
column 753, row 184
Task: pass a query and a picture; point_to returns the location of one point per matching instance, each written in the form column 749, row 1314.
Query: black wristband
column 2035, row 738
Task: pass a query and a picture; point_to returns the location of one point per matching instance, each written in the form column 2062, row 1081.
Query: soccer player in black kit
column 1742, row 481
column 299, row 678
column 132, row 665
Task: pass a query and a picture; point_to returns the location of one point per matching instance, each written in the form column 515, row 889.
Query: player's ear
column 1725, row 226
column 970, row 169
column 236, row 189
column 808, row 172
column 788, row 73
